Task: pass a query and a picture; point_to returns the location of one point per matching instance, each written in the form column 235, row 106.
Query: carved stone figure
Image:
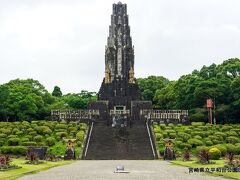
column 107, row 76
column 132, row 79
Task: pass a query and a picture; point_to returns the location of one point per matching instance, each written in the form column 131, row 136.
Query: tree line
column 220, row 82
column 28, row 99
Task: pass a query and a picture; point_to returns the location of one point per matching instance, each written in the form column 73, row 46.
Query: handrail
column 150, row 138
column 88, row 140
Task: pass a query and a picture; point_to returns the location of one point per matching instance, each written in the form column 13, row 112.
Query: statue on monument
column 132, row 79
column 107, row 76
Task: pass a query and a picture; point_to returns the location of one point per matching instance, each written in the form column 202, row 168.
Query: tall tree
column 57, row 92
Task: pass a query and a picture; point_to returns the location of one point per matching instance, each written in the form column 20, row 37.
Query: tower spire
column 119, row 54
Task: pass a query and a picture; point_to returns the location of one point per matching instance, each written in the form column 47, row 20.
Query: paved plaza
column 104, row 170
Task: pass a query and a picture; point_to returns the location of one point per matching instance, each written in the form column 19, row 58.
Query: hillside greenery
column 198, row 136
column 219, row 82
column 15, row 137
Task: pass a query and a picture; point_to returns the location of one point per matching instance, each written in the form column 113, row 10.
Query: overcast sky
column 62, row 42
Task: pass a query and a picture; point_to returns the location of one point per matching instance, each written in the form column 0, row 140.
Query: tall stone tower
column 119, row 86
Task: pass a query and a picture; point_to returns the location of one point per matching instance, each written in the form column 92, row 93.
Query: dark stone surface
column 70, row 154
column 119, row 87
column 39, row 151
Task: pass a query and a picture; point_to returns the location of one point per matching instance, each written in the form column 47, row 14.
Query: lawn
column 217, row 164
column 28, row 168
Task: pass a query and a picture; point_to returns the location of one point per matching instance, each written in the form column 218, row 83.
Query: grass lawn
column 218, row 163
column 28, row 168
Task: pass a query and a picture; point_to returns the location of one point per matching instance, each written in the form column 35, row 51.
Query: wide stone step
column 104, row 145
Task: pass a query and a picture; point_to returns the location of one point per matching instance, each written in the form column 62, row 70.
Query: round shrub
column 83, row 127
column 195, row 142
column 25, row 139
column 212, row 137
column 232, row 133
column 208, row 143
column 50, row 141
column 221, row 134
column 217, row 141
column 70, row 129
column 15, row 130
column 161, row 150
column 38, row 138
column 6, row 131
column 226, row 128
column 232, row 139
column 215, row 153
column 19, row 150
column 29, row 143
column 19, row 133
column 3, row 135
column 172, row 135
column 43, row 130
column 61, row 126
column 232, row 149
column 185, row 146
column 80, row 135
column 197, row 124
column 60, row 135
column 177, row 143
column 169, row 131
column 29, row 137
column 222, row 148
column 158, row 136
column 163, row 126
column 79, row 143
column 33, row 133
column 12, row 136
column 184, row 136
column 188, row 131
column 201, row 148
column 2, row 142
column 197, row 137
column 30, row 130
column 13, row 141
column 179, row 139
column 165, row 135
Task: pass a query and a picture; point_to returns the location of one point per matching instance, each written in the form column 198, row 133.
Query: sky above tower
column 62, row 42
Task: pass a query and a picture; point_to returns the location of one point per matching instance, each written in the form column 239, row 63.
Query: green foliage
column 60, row 135
column 50, row 141
column 3, row 135
column 195, row 142
column 38, row 138
column 158, row 136
column 57, row 92
column 61, row 126
column 232, row 139
column 209, row 143
column 222, row 148
column 57, row 150
column 13, row 141
column 215, row 153
column 80, row 135
column 232, row 149
column 201, row 148
column 196, row 124
column 29, row 143
column 17, row 150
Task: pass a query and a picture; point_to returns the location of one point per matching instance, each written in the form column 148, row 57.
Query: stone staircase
column 104, row 145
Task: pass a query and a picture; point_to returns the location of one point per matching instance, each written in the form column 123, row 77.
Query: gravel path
column 104, row 170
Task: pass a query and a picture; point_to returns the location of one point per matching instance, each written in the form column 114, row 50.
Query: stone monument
column 119, row 90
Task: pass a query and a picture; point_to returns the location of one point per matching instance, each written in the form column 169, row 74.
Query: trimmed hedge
column 17, row 150
column 215, row 153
